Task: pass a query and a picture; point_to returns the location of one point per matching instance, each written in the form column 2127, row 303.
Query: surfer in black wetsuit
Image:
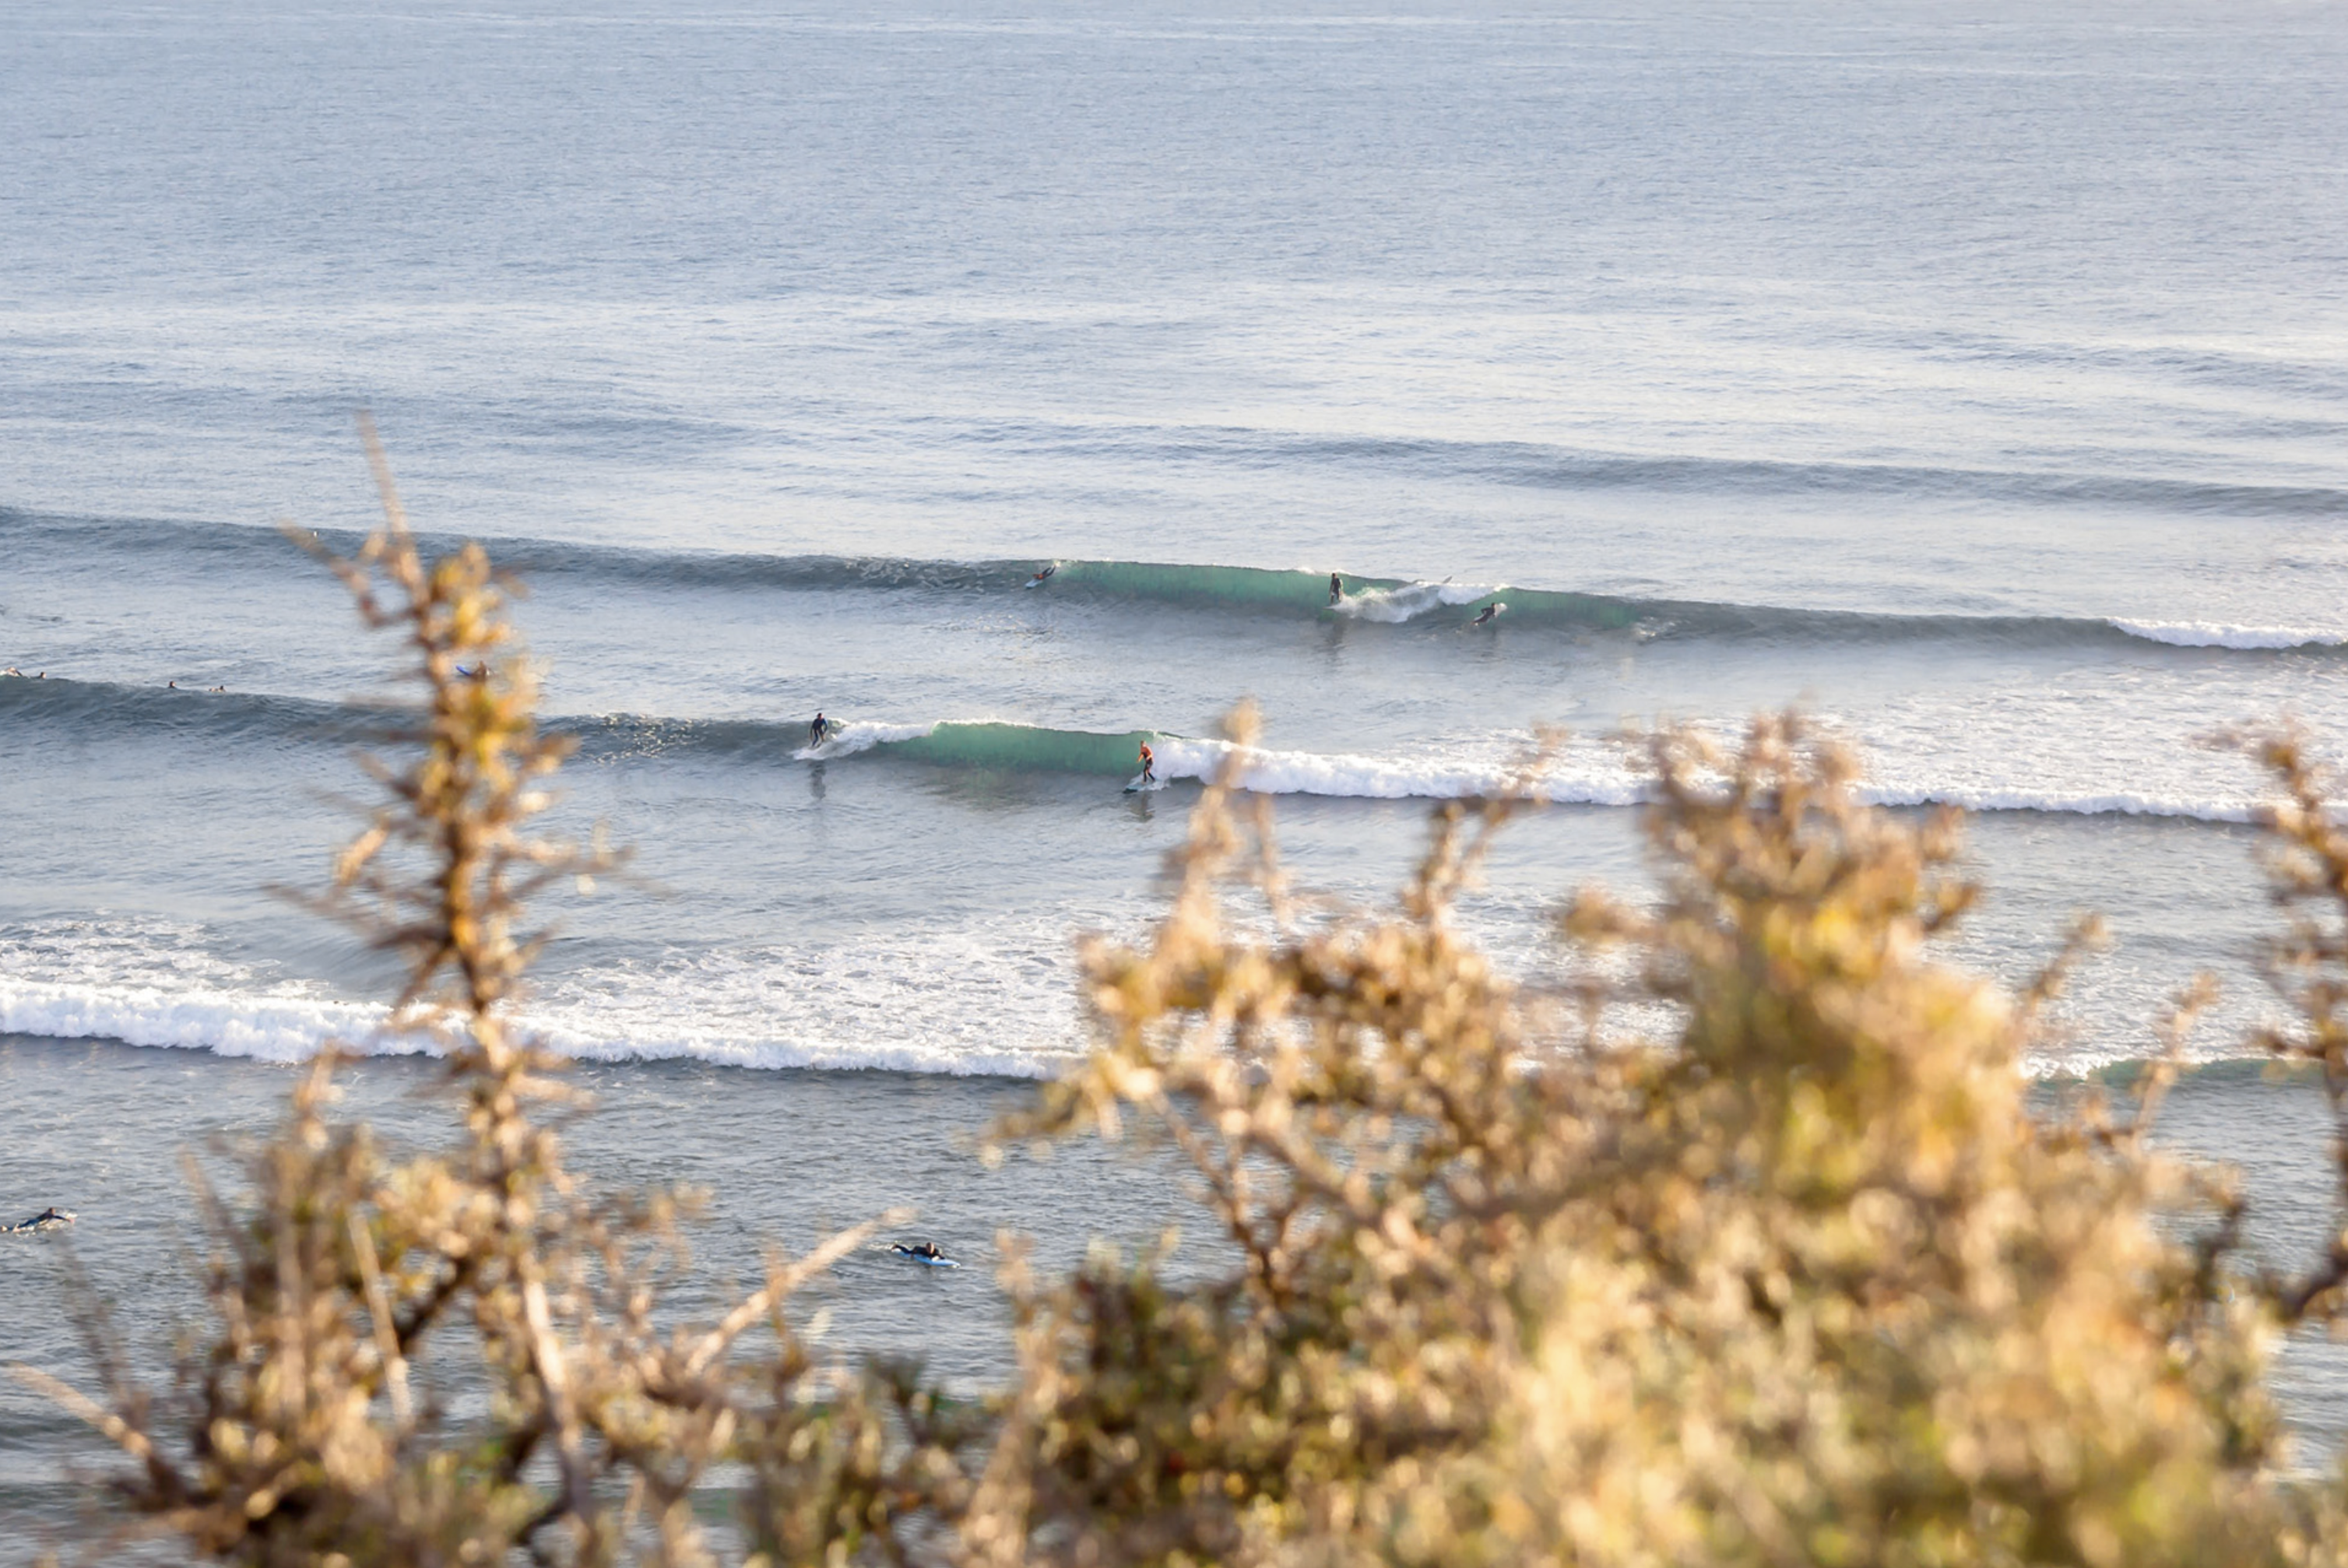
column 819, row 731
column 919, row 1249
column 1485, row 619
column 1149, row 764
column 1336, row 587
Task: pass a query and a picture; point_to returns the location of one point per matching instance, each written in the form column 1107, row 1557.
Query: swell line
column 1484, row 767
column 1254, row 591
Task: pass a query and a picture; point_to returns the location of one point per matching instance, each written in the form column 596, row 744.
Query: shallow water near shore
column 786, row 1158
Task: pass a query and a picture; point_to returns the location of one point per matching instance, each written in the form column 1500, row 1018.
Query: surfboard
column 918, row 1258
column 1136, row 787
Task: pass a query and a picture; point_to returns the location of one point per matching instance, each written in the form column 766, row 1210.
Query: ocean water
column 1973, row 377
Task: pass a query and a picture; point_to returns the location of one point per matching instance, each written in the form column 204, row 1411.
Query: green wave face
column 1307, row 592
column 1024, row 749
column 1237, row 585
column 1548, row 607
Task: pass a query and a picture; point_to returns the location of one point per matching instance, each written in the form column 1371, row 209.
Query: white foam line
column 664, row 1014
column 265, row 1027
column 2119, row 803
column 1386, row 779
column 1341, row 774
column 276, row 1030
column 809, row 1053
column 1395, row 605
column 271, row 1028
column 1361, row 776
column 848, row 739
column 2086, row 1062
column 2219, row 634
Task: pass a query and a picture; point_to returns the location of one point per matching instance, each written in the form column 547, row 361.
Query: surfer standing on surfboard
column 1149, row 764
column 819, row 731
column 1336, row 587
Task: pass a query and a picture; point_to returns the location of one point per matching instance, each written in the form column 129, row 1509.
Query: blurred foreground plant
column 449, row 1358
column 1798, row 1278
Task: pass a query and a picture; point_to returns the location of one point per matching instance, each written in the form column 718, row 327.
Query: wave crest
column 1236, row 590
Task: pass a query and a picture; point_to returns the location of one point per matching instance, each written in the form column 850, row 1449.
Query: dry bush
column 1803, row 1280
column 357, row 1298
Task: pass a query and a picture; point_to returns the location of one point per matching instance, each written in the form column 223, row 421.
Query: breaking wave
column 1241, row 590
column 2217, row 634
column 933, row 1003
column 999, row 1003
column 1593, row 773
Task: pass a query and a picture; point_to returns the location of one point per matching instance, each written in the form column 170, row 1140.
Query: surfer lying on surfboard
column 925, row 1251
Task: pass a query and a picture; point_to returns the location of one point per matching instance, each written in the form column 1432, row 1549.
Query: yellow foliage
column 1802, row 1279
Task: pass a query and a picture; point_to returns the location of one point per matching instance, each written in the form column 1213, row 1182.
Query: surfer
column 1149, row 764
column 50, row 1219
column 1490, row 611
column 819, row 731
column 919, row 1250
column 1336, row 588
column 1037, row 580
